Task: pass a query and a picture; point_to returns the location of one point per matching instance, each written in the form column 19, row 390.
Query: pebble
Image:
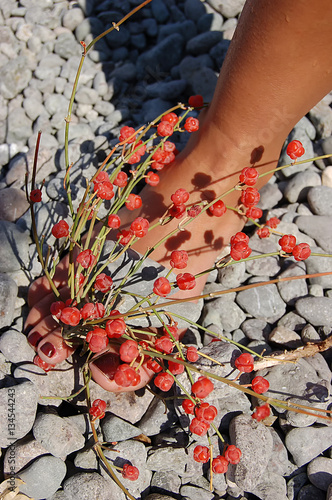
column 116, row 429
column 315, row 310
column 21, row 400
column 272, row 486
column 26, row 450
column 320, row 200
column 307, row 443
column 88, row 485
column 317, row 227
column 283, row 336
column 43, row 477
column 327, row 177
column 14, row 247
column 228, row 8
column 320, row 472
column 8, row 295
column 262, row 303
column 156, row 420
column 14, row 345
column 292, row 290
column 256, row 443
column 298, row 187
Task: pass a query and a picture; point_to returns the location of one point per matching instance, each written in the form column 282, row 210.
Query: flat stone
column 43, row 477
column 320, row 200
column 13, row 204
column 156, row 420
column 25, row 450
column 262, row 303
column 272, row 485
column 57, row 435
column 88, row 485
column 21, row 401
column 320, row 472
column 298, row 187
column 317, row 264
column 14, row 247
column 8, row 294
column 307, row 443
column 117, row 429
column 315, row 310
column 284, row 336
column 14, row 345
column 256, row 443
column 290, row 291
column 166, row 481
column 317, row 227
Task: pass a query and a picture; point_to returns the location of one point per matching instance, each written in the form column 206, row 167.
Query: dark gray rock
column 8, row 294
column 117, row 429
column 262, row 303
column 320, row 200
column 320, row 472
column 307, row 443
column 202, row 43
column 86, row 486
column 315, row 310
column 14, row 344
column 298, row 187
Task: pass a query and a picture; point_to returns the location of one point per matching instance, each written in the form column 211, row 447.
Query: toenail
column 108, row 364
column 48, row 349
column 34, row 339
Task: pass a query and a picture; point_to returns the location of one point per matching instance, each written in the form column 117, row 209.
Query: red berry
column 124, row 236
column 260, row 384
column 70, row 316
column 240, row 251
column 101, row 177
column 186, row 281
column 263, row 232
column 295, row 149
column 164, row 129
column 114, row 221
column 301, row 251
column 250, row 197
column 201, row 454
column 129, row 351
column 133, row 201
column 134, row 158
column 273, row 222
column 159, row 156
column 261, row 412
column 233, row 454
column 125, row 133
column 169, row 147
column 173, row 330
column 164, row 344
column 103, row 283
column 88, row 311
column 202, row 388
column 218, row 208
column 254, row 213
column 126, row 376
column 99, row 403
column 56, row 308
column 121, row 179
column 115, row 328
column 192, row 354
column 175, row 368
column 188, row 406
column 97, row 409
column 171, row 118
column 249, row 176
column 140, row 148
column 60, row 229
column 35, row 196
column 179, row 259
column 287, row 243
column 206, row 412
column 219, row 465
column 180, row 196
column 239, row 237
column 130, row 472
column 199, row 427
column 140, row 227
column 86, row 259
column 162, row 287
column 153, row 365
column 177, row 211
column 152, row 179
column 97, row 339
column 196, row 101
column 164, row 381
column 191, row 124
column 194, row 211
column 42, row 364
column 104, row 190
column 157, row 165
column 244, row 363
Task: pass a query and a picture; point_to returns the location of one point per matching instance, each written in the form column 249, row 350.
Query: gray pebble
column 298, row 187
column 116, row 429
column 165, row 459
column 224, row 312
column 20, row 401
column 320, row 200
column 43, row 477
column 155, row 420
column 86, row 459
column 315, row 310
column 321, row 117
column 262, row 303
column 204, row 82
column 194, row 10
column 284, row 336
column 256, row 329
column 14, row 246
column 159, row 11
column 14, row 345
column 292, row 321
column 19, row 126
column 309, row 491
column 195, row 493
column 228, row 8
column 292, row 290
column 66, row 46
column 86, row 486
column 320, row 472
column 169, row 90
column 166, row 481
column 270, row 196
column 307, row 443
column 317, row 227
column 202, row 43
column 272, row 485
column 57, row 435
column 8, row 294
column 256, row 443
column 72, row 18
column 15, row 76
column 295, row 484
column 25, row 450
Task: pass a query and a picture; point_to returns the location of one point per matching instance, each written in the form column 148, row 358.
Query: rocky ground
column 167, row 52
